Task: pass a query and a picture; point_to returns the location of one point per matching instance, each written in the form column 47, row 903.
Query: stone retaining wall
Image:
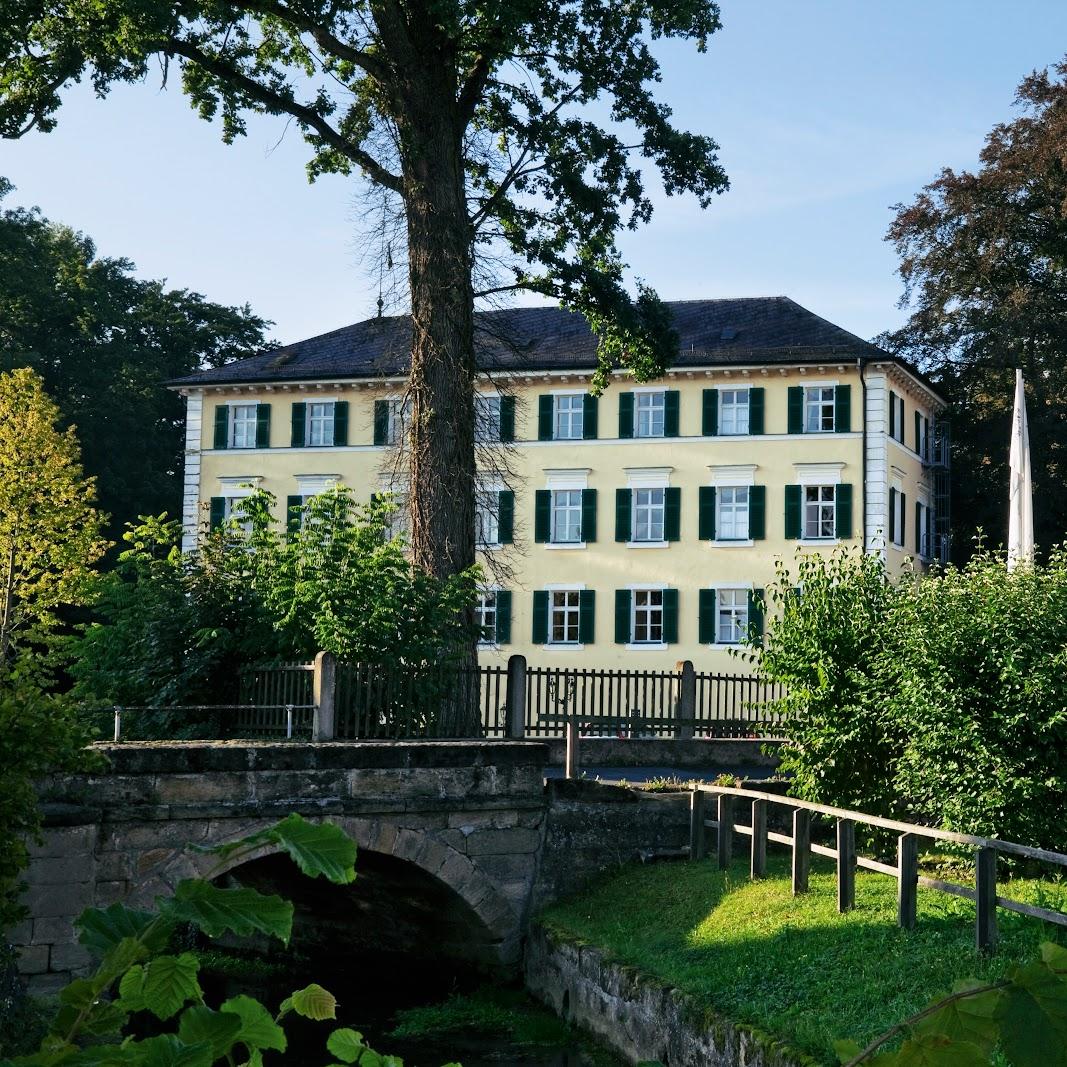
column 697, row 754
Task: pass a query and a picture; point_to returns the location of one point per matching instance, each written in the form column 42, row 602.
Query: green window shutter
column 222, row 426
column 926, row 439
column 340, row 423
column 706, row 616
column 709, row 413
column 622, row 616
column 842, row 408
column 503, row 616
column 756, row 406
column 892, row 515
column 672, row 513
column 671, row 412
column 545, row 405
column 623, row 514
column 543, row 516
column 507, row 419
column 294, row 509
column 670, row 616
column 505, row 516
column 588, row 515
column 755, row 614
column 892, row 413
column 381, row 422
column 586, row 616
column 793, row 524
column 626, row 415
column 540, row 618
column 263, row 426
column 590, row 417
column 918, row 527
column 218, row 512
column 298, row 419
column 706, row 513
column 796, row 409
column 902, row 532
column 757, row 512
column 843, row 501
column 918, row 433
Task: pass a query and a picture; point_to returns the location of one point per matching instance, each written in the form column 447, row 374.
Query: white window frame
column 737, row 391
column 487, row 407
column 646, row 478
column 636, row 591
column 399, row 490
column 324, row 420
column 487, row 517
column 568, row 610
column 636, row 507
column 575, row 414
column 817, row 406
column 898, row 521
column 645, row 402
column 570, row 509
column 738, row 508
column 733, row 590
column 233, row 490
column 398, row 410
column 242, row 406
column 482, row 609
column 820, row 504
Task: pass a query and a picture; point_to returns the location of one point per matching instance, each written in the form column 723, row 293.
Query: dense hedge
column 940, row 699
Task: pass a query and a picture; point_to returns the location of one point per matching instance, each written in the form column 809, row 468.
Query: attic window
column 728, row 333
column 280, row 360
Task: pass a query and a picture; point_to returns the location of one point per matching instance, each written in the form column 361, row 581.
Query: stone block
column 469, row 821
column 58, row 900
column 69, row 958
column 64, row 841
column 195, row 788
column 54, row 931
column 21, row 933
column 48, row 985
column 55, row 870
column 33, row 959
column 140, row 836
column 509, row 867
column 111, row 892
column 113, row 866
column 484, row 842
column 153, row 859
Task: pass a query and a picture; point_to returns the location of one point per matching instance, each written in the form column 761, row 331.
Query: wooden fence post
column 759, row 838
column 696, row 823
column 572, row 764
column 687, row 701
column 515, row 696
column 907, row 880
column 324, row 723
column 846, row 865
column 801, row 849
column 985, row 884
column 726, row 830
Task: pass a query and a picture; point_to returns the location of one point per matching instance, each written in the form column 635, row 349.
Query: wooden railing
column 905, row 871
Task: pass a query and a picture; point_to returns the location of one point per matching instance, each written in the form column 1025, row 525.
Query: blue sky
column 827, row 113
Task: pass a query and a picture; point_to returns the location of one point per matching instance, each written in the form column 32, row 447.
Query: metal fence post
column 571, row 769
column 696, row 823
column 985, row 884
column 324, row 723
column 515, row 696
column 687, row 700
column 907, row 880
column 118, row 722
column 801, row 849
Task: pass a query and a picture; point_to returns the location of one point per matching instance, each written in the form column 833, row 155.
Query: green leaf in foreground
column 104, row 928
column 258, row 1029
column 346, row 1045
column 312, row 1002
column 240, row 911
column 970, row 1020
column 201, row 1025
column 170, row 981
column 168, row 1051
column 1034, row 1023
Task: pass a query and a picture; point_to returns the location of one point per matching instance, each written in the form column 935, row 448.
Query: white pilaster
column 194, row 417
column 875, row 519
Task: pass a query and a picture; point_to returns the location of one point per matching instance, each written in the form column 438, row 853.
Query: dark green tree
column 983, row 257
column 104, row 342
column 508, row 127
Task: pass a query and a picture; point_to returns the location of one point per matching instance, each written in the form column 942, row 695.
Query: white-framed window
column 320, row 423
column 487, row 517
column 397, row 525
column 733, row 411
column 818, row 408
column 486, row 417
column 563, row 616
column 649, row 410
column 566, row 516
column 485, row 616
column 731, row 616
column 820, row 512
column 648, row 514
column 243, row 425
column 731, row 520
column 646, row 624
column 399, row 410
column 568, row 416
column 898, row 518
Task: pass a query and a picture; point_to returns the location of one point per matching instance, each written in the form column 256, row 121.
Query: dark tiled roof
column 745, row 330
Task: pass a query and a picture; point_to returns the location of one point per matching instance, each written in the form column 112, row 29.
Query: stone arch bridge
column 460, row 841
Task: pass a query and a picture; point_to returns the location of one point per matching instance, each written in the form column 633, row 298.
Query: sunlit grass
column 794, row 966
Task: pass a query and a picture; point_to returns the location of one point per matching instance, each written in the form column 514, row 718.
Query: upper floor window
column 487, row 517
column 649, row 514
column 896, row 417
column 732, row 519
column 568, row 422
column 820, row 512
column 731, row 616
column 243, row 419
column 486, row 417
column 320, row 419
column 647, row 623
column 566, row 516
column 390, row 420
column 485, row 616
column 649, row 411
column 819, row 409
column 733, row 411
column 564, row 617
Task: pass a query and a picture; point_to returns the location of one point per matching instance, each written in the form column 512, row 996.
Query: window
column 731, row 616
column 566, row 516
column 732, row 520
column 485, row 616
column 733, row 411
column 398, row 417
column 486, row 417
column 648, row 514
column 487, row 517
column 320, row 423
column 648, row 414
column 563, row 619
column 647, row 624
column 234, row 509
column 820, row 511
column 568, row 422
column 243, row 426
column 819, row 409
column 397, row 523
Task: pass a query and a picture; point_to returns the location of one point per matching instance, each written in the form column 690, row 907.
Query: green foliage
column 104, row 343
column 136, row 975
column 941, row 701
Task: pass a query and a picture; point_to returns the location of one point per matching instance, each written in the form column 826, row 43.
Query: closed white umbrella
column 1021, row 491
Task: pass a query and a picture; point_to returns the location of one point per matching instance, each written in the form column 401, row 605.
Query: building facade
column 632, row 530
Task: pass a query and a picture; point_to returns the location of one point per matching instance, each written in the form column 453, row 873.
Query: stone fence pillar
column 324, row 723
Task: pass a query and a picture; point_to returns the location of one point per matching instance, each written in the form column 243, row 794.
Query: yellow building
column 629, row 531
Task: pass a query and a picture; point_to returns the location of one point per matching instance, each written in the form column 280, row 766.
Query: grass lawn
column 793, row 966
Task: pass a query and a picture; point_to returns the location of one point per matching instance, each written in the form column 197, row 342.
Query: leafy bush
column 941, row 700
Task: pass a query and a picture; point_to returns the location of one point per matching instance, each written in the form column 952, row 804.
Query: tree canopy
column 104, row 341
column 983, row 257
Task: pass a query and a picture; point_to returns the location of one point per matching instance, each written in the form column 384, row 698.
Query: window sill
column 647, row 544
column 820, row 540
column 564, row 545
column 491, row 547
column 733, row 543
column 488, row 646
column 646, row 646
column 575, row 647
